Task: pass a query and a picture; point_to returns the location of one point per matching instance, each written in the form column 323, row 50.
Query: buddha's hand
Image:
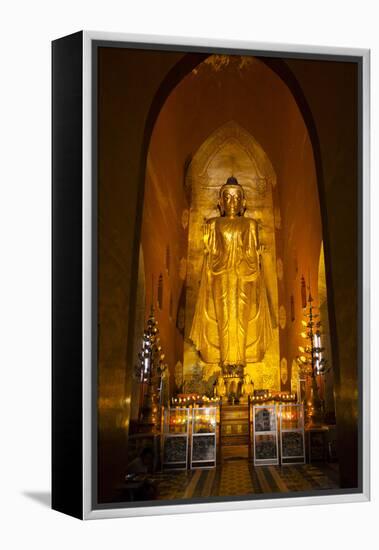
column 261, row 249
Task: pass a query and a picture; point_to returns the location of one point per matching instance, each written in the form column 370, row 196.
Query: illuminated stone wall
column 164, row 246
column 299, row 236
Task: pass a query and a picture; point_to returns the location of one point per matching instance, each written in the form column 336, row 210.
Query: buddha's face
column 232, row 201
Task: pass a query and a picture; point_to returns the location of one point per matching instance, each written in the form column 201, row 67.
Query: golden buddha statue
column 247, row 389
column 232, row 323
column 220, row 389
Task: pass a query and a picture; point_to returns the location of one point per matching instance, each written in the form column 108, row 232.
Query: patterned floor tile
column 241, row 477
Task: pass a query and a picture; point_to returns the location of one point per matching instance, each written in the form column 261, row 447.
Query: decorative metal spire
column 312, row 363
column 149, row 371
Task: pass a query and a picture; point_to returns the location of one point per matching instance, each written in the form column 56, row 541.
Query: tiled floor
column 240, row 477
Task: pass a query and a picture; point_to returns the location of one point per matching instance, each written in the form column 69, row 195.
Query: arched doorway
column 214, row 121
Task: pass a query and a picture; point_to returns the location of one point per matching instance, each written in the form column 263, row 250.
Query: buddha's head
column 232, row 199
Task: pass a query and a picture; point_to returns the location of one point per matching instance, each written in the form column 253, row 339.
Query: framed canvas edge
column 362, row 55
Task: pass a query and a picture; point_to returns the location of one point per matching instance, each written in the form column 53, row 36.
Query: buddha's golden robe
column 231, row 324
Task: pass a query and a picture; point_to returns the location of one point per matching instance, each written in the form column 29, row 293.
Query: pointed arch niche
column 231, row 150
column 230, row 115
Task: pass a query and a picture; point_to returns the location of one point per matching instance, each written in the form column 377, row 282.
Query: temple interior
column 227, row 287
